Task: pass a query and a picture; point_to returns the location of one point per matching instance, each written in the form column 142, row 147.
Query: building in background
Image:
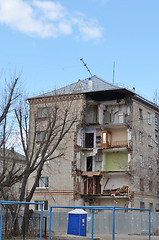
column 12, row 164
column 111, row 157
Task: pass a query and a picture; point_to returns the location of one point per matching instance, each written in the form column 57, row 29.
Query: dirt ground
column 105, row 237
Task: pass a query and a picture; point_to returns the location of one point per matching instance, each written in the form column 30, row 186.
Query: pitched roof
column 10, row 153
column 91, row 84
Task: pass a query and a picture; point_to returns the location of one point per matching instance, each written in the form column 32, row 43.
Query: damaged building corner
column 111, row 158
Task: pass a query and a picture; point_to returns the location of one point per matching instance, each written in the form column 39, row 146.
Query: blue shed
column 77, row 222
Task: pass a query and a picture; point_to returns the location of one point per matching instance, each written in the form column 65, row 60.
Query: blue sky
column 44, row 40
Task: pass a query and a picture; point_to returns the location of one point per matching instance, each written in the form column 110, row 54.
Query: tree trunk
column 26, row 217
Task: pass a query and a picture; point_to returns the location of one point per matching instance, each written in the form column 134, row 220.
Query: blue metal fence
column 92, row 208
column 2, row 203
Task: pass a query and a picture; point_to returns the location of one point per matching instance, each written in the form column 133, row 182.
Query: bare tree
column 8, row 176
column 40, row 146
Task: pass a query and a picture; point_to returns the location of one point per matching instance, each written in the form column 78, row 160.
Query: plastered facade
column 110, row 154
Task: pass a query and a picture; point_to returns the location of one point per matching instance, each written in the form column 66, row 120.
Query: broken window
column 43, row 112
column 89, row 138
column 92, row 186
column 141, row 184
column 89, row 163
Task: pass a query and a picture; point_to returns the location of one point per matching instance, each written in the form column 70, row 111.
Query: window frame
column 43, row 112
column 149, row 118
column 140, row 137
column 149, row 141
column 38, row 206
column 43, row 184
column 90, row 131
column 156, row 123
column 41, row 138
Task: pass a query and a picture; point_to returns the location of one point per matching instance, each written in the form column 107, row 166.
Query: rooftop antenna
column 81, row 59
column 113, row 71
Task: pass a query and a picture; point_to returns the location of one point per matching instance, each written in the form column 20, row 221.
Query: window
column 38, row 206
column 156, row 124
column 140, row 114
column 92, row 185
column 43, row 112
column 141, row 137
column 106, row 139
column 150, row 186
column 41, row 136
column 43, row 182
column 149, row 118
column 149, row 141
column 141, row 161
column 142, row 205
column 141, row 184
column 89, row 138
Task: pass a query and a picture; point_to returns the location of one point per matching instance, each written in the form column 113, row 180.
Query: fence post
column 149, row 224
column 41, row 221
column 50, row 223
column 1, row 221
column 92, row 222
column 45, row 226
column 113, row 223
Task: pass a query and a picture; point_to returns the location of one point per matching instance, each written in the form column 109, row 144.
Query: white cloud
column 50, row 10
column 86, row 30
column 46, row 19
